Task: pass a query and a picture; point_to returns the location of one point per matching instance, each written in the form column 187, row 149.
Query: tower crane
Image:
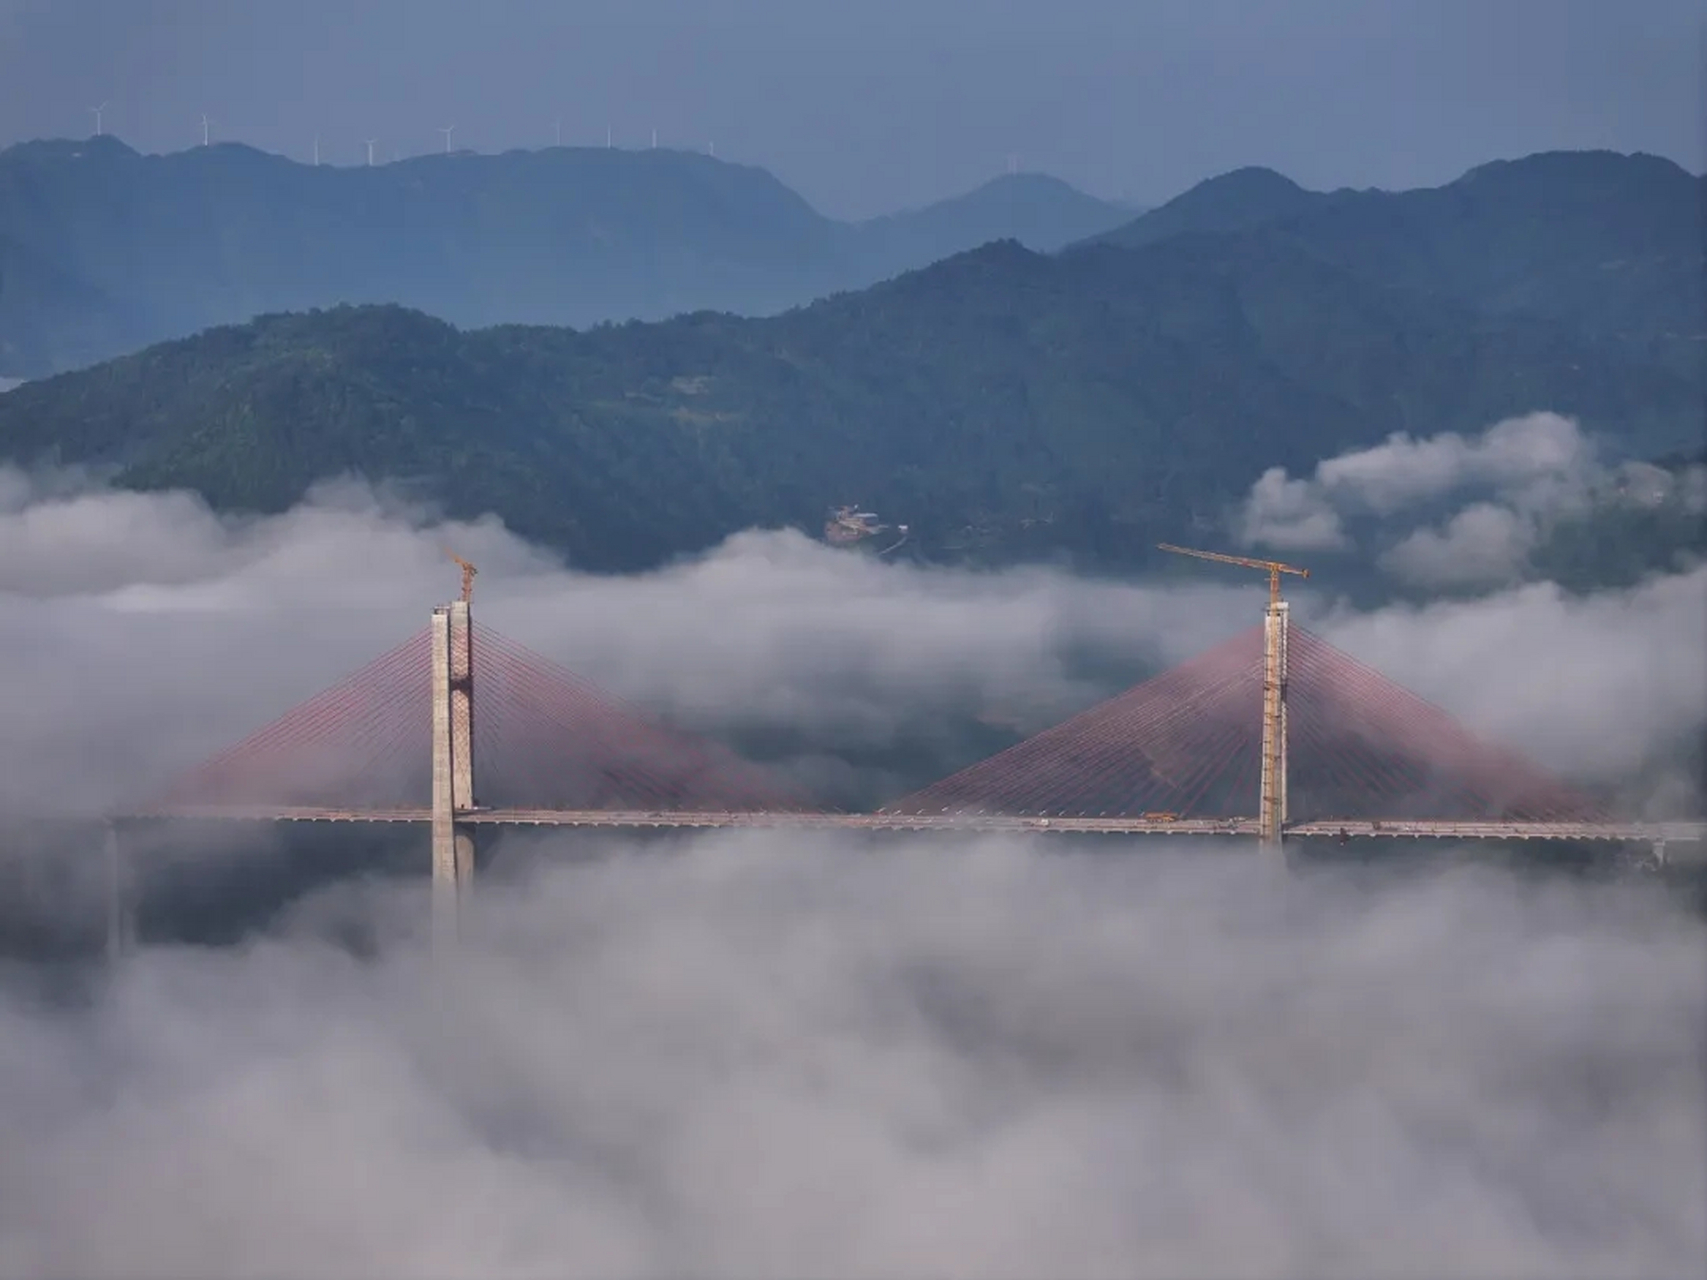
column 1273, row 567
column 468, row 572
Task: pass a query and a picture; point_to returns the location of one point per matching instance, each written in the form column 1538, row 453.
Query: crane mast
column 1271, row 806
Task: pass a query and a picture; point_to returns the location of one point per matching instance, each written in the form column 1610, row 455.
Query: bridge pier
column 453, row 765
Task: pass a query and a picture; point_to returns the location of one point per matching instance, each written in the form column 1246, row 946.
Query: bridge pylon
column 452, row 642
column 1271, row 807
column 1271, row 802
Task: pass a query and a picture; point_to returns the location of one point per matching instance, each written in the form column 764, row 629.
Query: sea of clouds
column 761, row 1054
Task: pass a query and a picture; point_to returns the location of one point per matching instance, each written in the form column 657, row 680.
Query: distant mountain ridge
column 104, row 250
column 1006, row 404
column 1239, row 200
column 1041, row 212
column 1596, row 239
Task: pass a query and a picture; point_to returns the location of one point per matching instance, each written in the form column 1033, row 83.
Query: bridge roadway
column 1325, row 828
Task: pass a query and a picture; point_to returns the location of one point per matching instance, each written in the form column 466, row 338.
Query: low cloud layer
column 1484, row 502
column 806, row 1056
column 775, row 1057
column 146, row 632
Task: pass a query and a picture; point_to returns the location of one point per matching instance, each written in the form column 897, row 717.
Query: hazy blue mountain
column 1004, row 403
column 1040, row 212
column 1608, row 242
column 1241, row 200
column 104, row 250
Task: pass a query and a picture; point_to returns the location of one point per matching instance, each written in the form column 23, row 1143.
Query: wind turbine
column 447, row 130
column 607, row 138
column 204, row 129
column 98, row 110
column 371, row 144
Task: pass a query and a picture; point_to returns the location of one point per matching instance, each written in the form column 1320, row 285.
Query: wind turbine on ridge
column 205, row 135
column 447, row 130
column 371, row 144
column 98, row 110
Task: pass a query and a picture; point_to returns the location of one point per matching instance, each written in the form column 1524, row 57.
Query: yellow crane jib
column 1273, row 568
column 468, row 572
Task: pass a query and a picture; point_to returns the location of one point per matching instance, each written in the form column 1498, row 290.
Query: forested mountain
column 1004, row 403
column 103, row 250
column 1611, row 243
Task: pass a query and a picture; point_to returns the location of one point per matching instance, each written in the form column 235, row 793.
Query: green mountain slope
column 104, row 250
column 1004, row 403
column 1609, row 242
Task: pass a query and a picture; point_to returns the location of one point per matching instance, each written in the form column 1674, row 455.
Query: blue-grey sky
column 865, row 106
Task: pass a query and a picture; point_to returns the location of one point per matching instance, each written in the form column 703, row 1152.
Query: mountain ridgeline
column 1007, row 404
column 104, row 251
column 1606, row 242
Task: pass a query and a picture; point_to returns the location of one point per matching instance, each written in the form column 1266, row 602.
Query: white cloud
column 1290, row 515
column 803, row 1055
column 779, row 1057
column 144, row 633
column 1480, row 544
column 1509, row 457
column 1511, row 485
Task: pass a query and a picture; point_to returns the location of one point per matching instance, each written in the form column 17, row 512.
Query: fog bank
column 146, row 632
column 776, row 1057
column 761, row 1055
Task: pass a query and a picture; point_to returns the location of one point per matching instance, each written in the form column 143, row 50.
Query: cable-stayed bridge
column 463, row 728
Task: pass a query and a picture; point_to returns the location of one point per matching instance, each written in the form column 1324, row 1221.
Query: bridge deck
column 1329, row 828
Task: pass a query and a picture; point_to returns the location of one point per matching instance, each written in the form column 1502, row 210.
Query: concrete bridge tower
column 1271, row 805
column 453, row 761
column 1271, row 809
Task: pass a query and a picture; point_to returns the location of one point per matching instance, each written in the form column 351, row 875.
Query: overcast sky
column 867, row 107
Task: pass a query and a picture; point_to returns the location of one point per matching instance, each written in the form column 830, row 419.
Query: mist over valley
column 762, row 491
